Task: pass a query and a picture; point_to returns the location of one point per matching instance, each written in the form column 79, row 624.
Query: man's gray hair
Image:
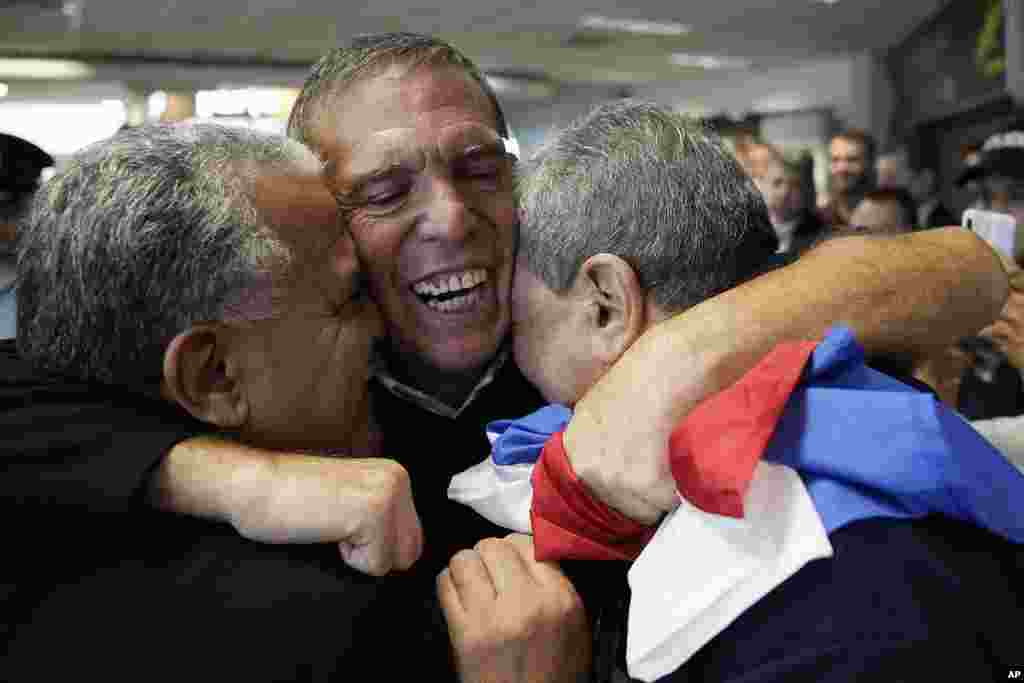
column 653, row 187
column 365, row 57
column 139, row 237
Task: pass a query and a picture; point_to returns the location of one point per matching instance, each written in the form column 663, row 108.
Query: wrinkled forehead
column 423, row 110
column 412, row 149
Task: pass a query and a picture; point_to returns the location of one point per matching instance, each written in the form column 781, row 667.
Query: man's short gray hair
column 139, row 237
column 365, row 57
column 653, row 187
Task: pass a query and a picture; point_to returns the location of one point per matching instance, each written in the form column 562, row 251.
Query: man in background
column 885, row 211
column 993, row 384
column 779, row 183
column 896, row 171
column 999, row 175
column 21, row 166
column 851, row 175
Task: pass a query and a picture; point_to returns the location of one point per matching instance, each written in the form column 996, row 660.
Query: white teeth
column 457, row 303
column 451, row 283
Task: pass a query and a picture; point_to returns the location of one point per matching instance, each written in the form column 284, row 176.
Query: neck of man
column 451, row 387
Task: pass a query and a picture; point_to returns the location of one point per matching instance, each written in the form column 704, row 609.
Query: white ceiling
column 535, row 36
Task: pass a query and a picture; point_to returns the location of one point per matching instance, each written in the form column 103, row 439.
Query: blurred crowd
column 885, row 193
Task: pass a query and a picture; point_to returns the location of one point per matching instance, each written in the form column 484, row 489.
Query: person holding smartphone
column 993, row 384
column 999, row 174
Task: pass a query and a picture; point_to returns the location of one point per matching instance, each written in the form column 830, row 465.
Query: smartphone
column 998, row 229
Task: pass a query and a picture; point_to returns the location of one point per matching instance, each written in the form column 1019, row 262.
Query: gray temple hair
column 365, row 57
column 651, row 186
column 139, row 237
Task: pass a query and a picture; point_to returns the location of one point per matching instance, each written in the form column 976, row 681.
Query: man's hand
column 512, row 618
column 364, row 505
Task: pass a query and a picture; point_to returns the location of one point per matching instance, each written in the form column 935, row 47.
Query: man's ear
column 200, row 375
column 616, row 315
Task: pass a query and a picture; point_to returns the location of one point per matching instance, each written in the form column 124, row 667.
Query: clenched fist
column 511, row 618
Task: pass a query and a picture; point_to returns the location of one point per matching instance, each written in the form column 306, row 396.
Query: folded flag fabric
column 499, row 487
column 701, row 571
column 712, row 455
column 569, row 524
column 866, row 445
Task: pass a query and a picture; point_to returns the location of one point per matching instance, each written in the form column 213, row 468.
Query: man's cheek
column 506, row 215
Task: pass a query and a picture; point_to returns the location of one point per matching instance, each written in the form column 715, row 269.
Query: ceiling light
column 654, row 28
column 47, row 69
column 709, row 61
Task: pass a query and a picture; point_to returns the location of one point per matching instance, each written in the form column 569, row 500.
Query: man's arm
column 364, row 505
column 909, row 294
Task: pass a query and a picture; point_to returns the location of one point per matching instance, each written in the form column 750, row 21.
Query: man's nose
column 449, row 215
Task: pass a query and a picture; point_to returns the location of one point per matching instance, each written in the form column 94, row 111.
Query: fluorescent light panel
column 639, row 26
column 709, row 61
column 45, row 69
column 254, row 102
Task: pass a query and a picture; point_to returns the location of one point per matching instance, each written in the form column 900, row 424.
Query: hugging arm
column 364, row 505
column 911, row 293
column 908, row 294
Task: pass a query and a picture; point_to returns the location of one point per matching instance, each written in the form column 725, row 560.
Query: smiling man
column 426, row 186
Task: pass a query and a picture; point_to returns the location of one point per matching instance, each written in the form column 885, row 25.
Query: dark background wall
column 944, row 98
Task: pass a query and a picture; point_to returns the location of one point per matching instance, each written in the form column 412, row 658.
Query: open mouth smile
column 452, row 292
